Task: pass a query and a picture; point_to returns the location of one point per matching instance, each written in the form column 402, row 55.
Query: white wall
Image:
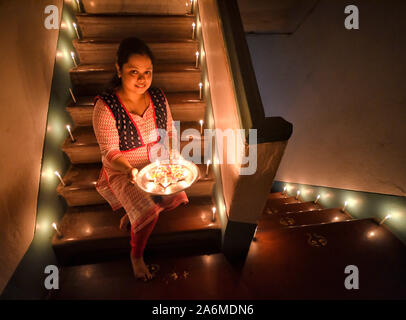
column 26, row 64
column 345, row 93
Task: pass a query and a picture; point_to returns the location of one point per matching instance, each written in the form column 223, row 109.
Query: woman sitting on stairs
column 125, row 121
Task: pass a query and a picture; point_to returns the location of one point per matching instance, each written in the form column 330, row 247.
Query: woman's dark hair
column 127, row 47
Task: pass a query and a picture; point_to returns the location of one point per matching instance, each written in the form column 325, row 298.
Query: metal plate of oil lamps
column 167, row 178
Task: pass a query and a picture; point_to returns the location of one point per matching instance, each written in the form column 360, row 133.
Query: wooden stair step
column 295, row 207
column 93, row 51
column 316, row 256
column 90, row 79
column 279, row 202
column 286, row 220
column 173, row 7
column 185, row 106
column 80, row 188
column 86, row 149
column 276, row 195
column 93, row 232
column 119, row 26
column 203, row 272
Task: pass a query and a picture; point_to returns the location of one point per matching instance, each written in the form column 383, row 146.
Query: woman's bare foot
column 140, row 269
column 124, row 222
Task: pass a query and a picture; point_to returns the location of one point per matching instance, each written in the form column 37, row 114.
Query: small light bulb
column 200, row 90
column 60, row 178
column 72, row 54
column 297, row 195
column 384, row 219
column 345, row 206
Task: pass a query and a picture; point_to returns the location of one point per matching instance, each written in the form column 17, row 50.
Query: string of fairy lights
column 67, row 53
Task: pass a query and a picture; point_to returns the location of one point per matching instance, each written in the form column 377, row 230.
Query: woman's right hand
column 132, row 174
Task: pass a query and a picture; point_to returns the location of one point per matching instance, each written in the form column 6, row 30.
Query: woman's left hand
column 132, row 175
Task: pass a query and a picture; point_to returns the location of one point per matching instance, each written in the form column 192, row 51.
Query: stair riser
column 278, row 221
column 162, row 7
column 91, row 154
column 117, row 28
column 296, row 207
column 90, row 83
column 81, row 252
column 202, row 189
column 94, row 53
column 82, row 116
column 82, row 197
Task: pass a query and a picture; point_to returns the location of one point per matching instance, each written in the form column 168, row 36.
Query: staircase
column 300, row 250
column 89, row 227
column 310, row 246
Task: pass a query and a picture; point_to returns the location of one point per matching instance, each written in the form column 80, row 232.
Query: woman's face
column 136, row 74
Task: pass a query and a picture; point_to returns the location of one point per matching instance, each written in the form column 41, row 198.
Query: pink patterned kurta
column 115, row 186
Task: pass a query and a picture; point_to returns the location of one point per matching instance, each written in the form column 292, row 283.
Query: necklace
column 144, row 108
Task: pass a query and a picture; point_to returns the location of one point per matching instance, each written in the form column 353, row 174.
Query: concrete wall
column 27, row 61
column 345, row 93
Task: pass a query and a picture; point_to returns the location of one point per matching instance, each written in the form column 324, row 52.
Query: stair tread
column 148, row 41
column 100, row 222
column 297, row 207
column 158, row 67
column 203, row 272
column 276, row 195
column 286, row 220
column 84, row 176
column 172, row 97
column 134, row 14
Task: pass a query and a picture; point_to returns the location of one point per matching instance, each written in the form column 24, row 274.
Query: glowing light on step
column 384, row 219
column 335, row 218
column 60, row 178
column 207, row 168
column 76, row 30
column 59, row 54
column 200, row 90
column 317, row 199
column 297, row 194
column 56, row 229
column 188, row 8
column 197, row 59
column 64, row 26
column 345, row 206
column 371, row 234
column 213, row 209
column 255, row 234
column 72, row 95
column 70, row 133
column 193, row 30
column 72, row 54
column 78, row 5
column 201, row 126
